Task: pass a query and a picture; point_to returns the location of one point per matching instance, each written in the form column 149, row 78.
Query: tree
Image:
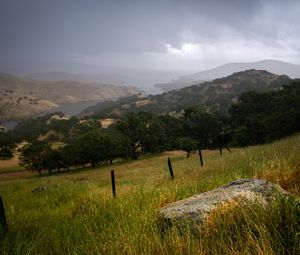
column 116, row 144
column 5, row 153
column 63, row 126
column 85, row 127
column 187, row 144
column 203, row 127
column 86, row 148
column 50, row 159
column 134, row 126
column 174, row 129
column 94, row 147
column 32, row 156
column 262, row 117
column 156, row 139
column 68, row 156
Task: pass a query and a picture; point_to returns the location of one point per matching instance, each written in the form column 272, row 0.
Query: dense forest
column 256, row 118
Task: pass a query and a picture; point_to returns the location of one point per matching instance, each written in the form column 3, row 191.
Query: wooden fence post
column 2, row 215
column 200, row 156
column 113, row 183
column 170, row 168
column 220, row 149
column 227, row 147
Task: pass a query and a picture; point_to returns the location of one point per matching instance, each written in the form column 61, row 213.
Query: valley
column 22, row 98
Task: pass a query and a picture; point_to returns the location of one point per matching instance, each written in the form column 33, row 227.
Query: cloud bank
column 158, row 35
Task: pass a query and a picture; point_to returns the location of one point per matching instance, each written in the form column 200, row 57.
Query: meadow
column 74, row 213
column 10, row 165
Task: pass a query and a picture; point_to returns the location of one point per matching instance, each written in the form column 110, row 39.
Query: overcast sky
column 185, row 35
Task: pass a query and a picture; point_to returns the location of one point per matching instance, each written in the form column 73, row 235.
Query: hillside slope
column 273, row 66
column 214, row 96
column 22, row 97
column 77, row 213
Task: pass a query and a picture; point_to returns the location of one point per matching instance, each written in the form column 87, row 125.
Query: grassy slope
column 10, row 165
column 76, row 214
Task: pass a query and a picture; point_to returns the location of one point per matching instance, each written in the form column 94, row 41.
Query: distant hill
column 143, row 79
column 59, row 76
column 102, row 78
column 273, row 66
column 21, row 98
column 215, row 96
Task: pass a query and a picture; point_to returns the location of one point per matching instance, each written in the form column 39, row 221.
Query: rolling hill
column 215, row 96
column 21, row 98
column 142, row 79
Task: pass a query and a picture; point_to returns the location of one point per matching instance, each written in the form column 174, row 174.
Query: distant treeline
column 256, row 118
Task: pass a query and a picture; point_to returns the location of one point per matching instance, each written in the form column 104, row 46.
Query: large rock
column 196, row 208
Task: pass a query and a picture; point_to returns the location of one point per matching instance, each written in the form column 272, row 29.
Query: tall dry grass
column 77, row 215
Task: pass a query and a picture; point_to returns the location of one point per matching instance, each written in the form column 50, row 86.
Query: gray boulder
column 196, row 208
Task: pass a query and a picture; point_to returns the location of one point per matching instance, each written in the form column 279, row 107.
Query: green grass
column 77, row 215
column 10, row 169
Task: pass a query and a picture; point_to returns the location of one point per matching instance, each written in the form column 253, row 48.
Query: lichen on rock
column 198, row 207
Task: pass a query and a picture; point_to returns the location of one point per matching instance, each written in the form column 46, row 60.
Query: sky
column 165, row 35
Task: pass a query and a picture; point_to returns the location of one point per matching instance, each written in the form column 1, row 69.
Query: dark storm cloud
column 105, row 32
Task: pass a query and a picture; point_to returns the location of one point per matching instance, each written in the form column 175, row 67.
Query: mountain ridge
column 142, row 79
column 270, row 65
column 214, row 96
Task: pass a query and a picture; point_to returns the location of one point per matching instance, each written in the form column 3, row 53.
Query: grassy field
column 76, row 214
column 10, row 165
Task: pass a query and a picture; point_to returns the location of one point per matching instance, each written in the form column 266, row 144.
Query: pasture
column 74, row 212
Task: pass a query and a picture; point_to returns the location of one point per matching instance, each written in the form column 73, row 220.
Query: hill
column 273, row 66
column 215, row 96
column 140, row 78
column 59, row 76
column 21, row 98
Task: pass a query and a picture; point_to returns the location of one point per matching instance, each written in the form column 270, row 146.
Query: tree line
column 133, row 135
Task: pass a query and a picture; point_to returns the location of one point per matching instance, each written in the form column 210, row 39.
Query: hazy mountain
column 102, row 78
column 143, row 79
column 273, row 66
column 22, row 97
column 215, row 96
column 59, row 76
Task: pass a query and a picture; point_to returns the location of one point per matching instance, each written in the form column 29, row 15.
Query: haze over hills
column 155, row 81
column 143, row 79
column 21, row 98
column 215, row 96
column 41, row 92
column 273, row 66
column 59, row 76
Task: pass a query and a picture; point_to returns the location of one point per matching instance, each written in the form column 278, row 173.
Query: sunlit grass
column 76, row 213
column 10, row 165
